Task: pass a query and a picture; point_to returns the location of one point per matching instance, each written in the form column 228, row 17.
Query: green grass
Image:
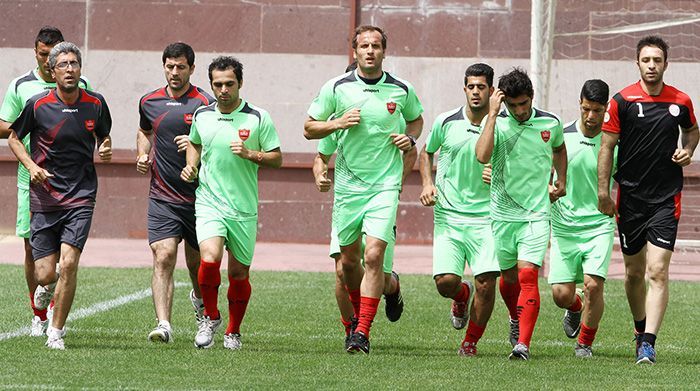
column 292, row 340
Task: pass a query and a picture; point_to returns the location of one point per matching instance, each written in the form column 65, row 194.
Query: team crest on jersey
column 391, row 107
column 188, row 118
column 545, row 135
column 90, row 125
column 674, row 110
column 244, row 134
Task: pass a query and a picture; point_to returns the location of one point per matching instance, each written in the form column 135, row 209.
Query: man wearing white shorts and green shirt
column 522, row 143
column 367, row 106
column 462, row 232
column 582, row 237
column 231, row 138
column 18, row 93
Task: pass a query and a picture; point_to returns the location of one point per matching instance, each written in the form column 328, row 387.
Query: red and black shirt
column 649, row 128
column 168, row 117
column 62, row 141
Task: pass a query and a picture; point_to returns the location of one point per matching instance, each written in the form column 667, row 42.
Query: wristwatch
column 413, row 140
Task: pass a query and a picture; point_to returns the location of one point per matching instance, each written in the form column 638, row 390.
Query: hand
column 606, row 205
column 681, row 157
column 182, row 142
column 428, row 195
column 495, row 101
column 105, row 150
column 323, row 184
column 143, row 163
column 238, row 148
column 402, row 141
column 557, row 190
column 39, row 175
column 349, row 119
column 486, row 174
column 189, row 173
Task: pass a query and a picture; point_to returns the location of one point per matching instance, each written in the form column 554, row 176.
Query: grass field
column 292, row 340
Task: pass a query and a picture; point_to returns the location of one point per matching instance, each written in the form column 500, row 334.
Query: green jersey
column 462, row 195
column 522, row 164
column 18, row 93
column 227, row 181
column 367, row 159
column 577, row 214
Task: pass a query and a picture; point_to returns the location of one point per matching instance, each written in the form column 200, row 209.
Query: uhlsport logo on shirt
column 545, row 135
column 244, row 134
column 90, row 125
column 188, row 118
column 391, row 107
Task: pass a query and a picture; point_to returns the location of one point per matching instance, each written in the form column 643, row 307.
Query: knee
column 593, row 288
column 485, row 287
column 562, row 297
column 69, row 267
column 446, row 285
column 374, row 257
column 339, row 275
column 658, row 274
column 164, row 260
column 510, row 276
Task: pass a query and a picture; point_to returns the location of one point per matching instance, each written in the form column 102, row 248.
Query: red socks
column 474, row 332
column 463, row 294
column 587, row 335
column 347, row 324
column 578, row 304
column 40, row 313
column 368, row 310
column 209, row 279
column 528, row 303
column 355, row 300
column 510, row 293
column 238, row 296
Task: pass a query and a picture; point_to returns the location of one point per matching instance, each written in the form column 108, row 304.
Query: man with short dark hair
column 582, row 237
column 522, row 143
column 643, row 120
column 18, row 93
column 165, row 118
column 232, row 139
column 63, row 125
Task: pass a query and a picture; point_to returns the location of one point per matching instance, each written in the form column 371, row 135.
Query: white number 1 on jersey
column 641, row 112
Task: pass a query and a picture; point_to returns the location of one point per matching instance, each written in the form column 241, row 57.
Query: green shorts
column 388, row 253
column 520, row 241
column 572, row 257
column 455, row 247
column 373, row 214
column 23, row 215
column 239, row 235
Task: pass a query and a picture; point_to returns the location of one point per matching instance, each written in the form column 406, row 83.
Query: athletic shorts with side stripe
column 50, row 229
column 456, row 246
column 23, row 215
column 373, row 214
column 573, row 256
column 167, row 220
column 640, row 222
column 388, row 253
column 520, row 241
column 239, row 235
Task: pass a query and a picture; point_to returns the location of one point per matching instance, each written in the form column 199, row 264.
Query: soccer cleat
column 583, row 351
column 161, row 333
column 358, row 343
column 467, row 349
column 38, row 327
column 233, row 341
column 572, row 320
column 393, row 305
column 520, row 352
column 647, row 354
column 43, row 295
column 55, row 339
column 514, row 331
column 353, row 325
column 198, row 306
column 205, row 335
column 460, row 310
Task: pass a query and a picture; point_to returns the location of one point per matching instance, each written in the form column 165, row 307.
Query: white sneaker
column 38, row 327
column 205, row 335
column 198, row 306
column 233, row 341
column 460, row 311
column 49, row 314
column 43, row 295
column 55, row 338
column 162, row 333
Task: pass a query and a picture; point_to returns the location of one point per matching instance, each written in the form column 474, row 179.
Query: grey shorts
column 49, row 229
column 167, row 220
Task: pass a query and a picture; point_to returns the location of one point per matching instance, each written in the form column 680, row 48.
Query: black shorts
column 640, row 222
column 168, row 220
column 49, row 229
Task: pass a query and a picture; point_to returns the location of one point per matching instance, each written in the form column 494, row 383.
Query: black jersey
column 649, row 128
column 62, row 141
column 167, row 118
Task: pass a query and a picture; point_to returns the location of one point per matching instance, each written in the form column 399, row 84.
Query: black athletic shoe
column 358, row 343
column 394, row 303
column 353, row 326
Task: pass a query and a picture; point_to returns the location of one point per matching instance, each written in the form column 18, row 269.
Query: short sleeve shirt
column 62, row 141
column 168, row 118
column 462, row 194
column 522, row 163
column 18, row 93
column 228, row 182
column 367, row 159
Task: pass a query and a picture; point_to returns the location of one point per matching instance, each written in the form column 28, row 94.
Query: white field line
column 94, row 309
